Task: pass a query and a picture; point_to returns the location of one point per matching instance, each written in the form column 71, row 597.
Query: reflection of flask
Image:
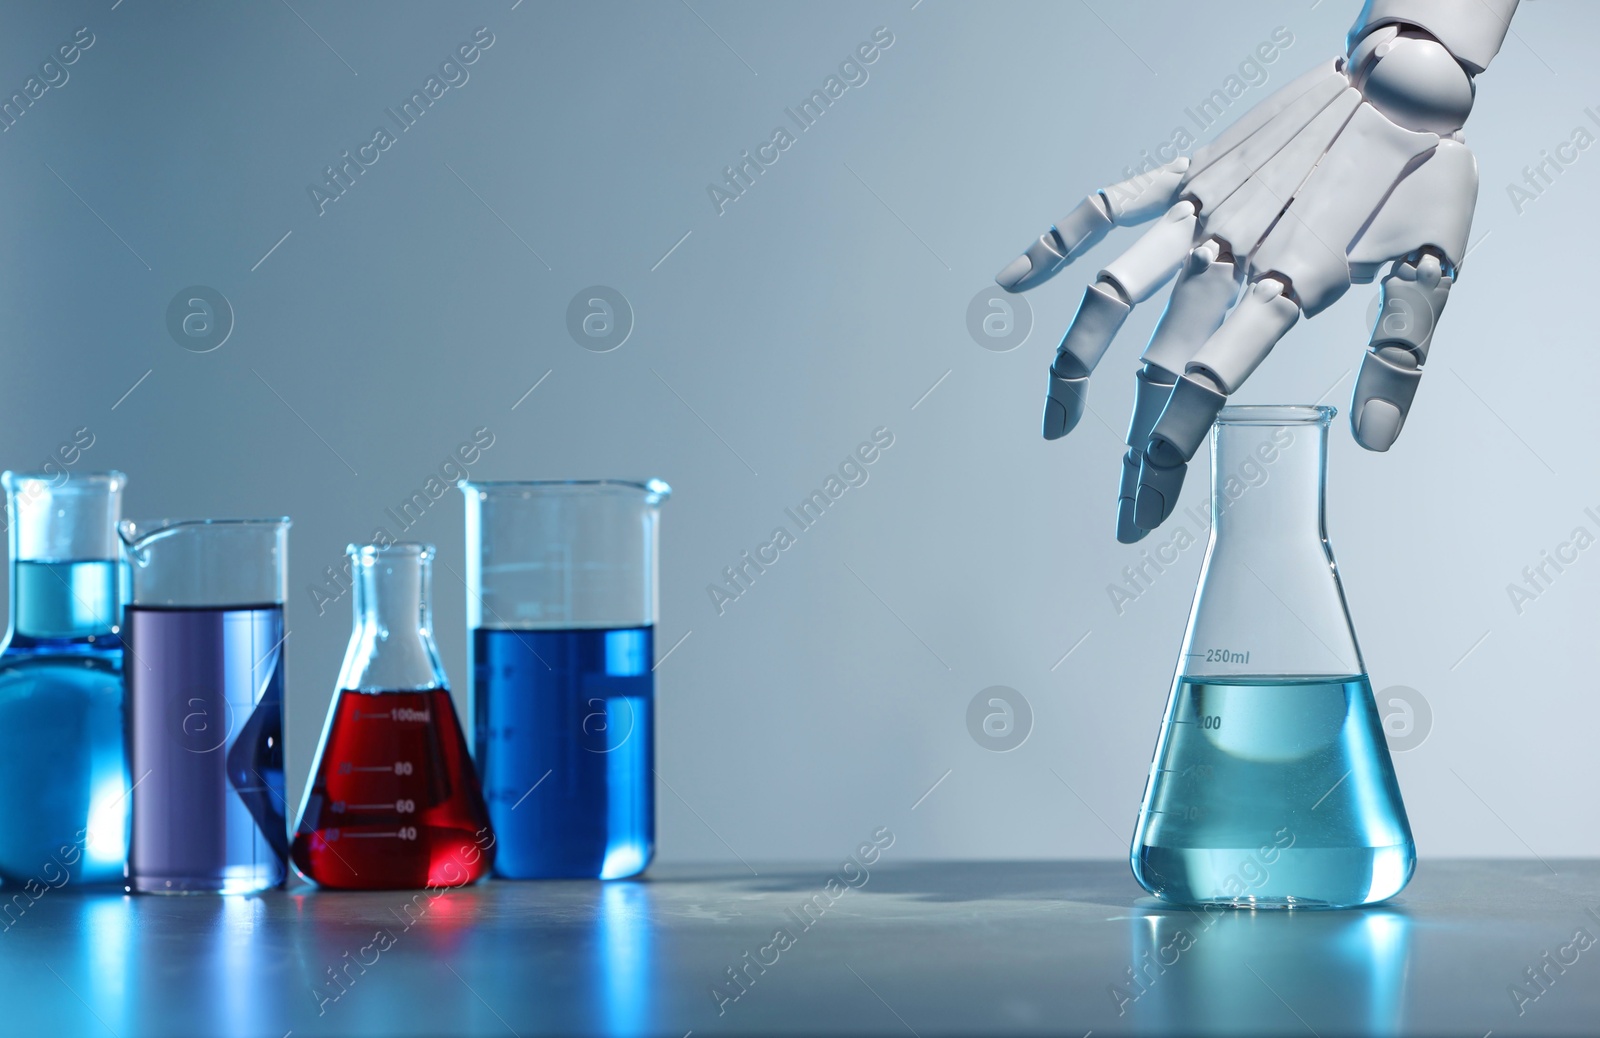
column 1334, row 972
column 65, row 818
column 561, row 599
column 205, row 705
column 393, row 800
column 1271, row 784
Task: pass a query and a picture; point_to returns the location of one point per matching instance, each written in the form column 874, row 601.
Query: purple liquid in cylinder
column 205, row 746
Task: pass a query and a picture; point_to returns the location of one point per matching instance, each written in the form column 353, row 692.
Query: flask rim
column 76, row 483
column 159, row 525
column 655, row 490
column 138, row 534
column 410, row 549
column 1277, row 414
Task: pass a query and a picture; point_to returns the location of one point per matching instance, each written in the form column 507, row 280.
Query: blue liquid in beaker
column 66, row 605
column 566, row 749
column 1273, row 793
column 61, row 743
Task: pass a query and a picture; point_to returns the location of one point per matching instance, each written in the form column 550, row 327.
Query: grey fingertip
column 1063, row 405
column 1128, row 530
column 1015, row 272
column 1378, row 425
column 1056, row 423
column 1149, row 509
column 1159, row 487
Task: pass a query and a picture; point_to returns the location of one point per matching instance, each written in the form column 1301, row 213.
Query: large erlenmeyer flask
column 393, row 801
column 204, row 669
column 1271, row 785
column 561, row 599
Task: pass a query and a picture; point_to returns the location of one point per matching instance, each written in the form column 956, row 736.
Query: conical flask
column 1271, row 785
column 394, row 801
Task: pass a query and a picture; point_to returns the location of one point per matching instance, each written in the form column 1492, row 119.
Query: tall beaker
column 393, row 801
column 561, row 599
column 1271, row 785
column 65, row 816
column 204, row 671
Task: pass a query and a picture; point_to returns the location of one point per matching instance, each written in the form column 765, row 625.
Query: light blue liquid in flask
column 1272, row 785
column 61, row 735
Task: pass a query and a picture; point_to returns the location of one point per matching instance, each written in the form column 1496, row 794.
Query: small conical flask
column 1271, row 785
column 393, row 801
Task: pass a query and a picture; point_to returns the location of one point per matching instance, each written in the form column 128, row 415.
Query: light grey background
column 823, row 304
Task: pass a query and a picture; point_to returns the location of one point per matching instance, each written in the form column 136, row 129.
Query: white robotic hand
column 1358, row 163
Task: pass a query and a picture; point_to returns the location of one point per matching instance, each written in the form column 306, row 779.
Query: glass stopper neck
column 391, row 647
column 1268, row 475
column 393, row 586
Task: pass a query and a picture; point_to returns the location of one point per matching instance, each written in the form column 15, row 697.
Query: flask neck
column 391, row 645
column 1270, row 605
column 66, row 580
column 1268, row 482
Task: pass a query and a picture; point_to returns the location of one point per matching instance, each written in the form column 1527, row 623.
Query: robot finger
column 1131, row 278
column 1220, row 366
column 1413, row 296
column 1206, row 288
column 1126, row 204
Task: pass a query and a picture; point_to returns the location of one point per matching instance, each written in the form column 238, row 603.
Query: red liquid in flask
column 395, row 802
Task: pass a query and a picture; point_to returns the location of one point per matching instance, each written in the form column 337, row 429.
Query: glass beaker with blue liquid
column 1271, row 785
column 561, row 601
column 204, row 672
column 65, row 816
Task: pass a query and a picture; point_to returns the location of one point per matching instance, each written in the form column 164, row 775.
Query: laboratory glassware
column 561, row 600
column 1271, row 785
column 1346, row 972
column 65, row 816
column 393, row 801
column 204, row 670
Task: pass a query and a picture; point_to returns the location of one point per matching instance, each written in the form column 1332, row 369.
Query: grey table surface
column 1059, row 948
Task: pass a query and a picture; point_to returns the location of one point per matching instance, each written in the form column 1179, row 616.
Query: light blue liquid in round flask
column 65, row 820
